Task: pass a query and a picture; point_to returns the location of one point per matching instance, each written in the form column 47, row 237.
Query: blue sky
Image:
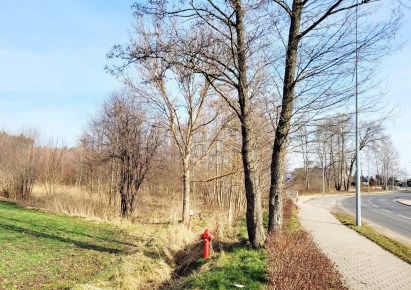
column 396, row 70
column 52, row 58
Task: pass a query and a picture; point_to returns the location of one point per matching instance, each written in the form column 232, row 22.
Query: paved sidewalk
column 363, row 264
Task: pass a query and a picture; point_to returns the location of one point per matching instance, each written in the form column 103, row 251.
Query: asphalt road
column 384, row 211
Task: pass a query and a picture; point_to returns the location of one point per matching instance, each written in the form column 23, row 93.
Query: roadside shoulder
column 340, row 209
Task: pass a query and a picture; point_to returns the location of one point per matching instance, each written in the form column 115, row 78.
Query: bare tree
column 388, row 162
column 307, row 50
column 124, row 134
column 18, row 164
column 182, row 98
column 215, row 39
column 318, row 68
column 52, row 164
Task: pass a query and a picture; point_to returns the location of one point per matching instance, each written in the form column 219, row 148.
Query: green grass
column 234, row 263
column 40, row 250
column 400, row 250
column 237, row 263
column 238, row 266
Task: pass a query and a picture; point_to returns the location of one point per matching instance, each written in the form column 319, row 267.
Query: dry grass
column 74, row 201
column 295, row 262
column 136, row 271
column 151, row 208
column 152, row 263
column 163, row 248
column 155, row 230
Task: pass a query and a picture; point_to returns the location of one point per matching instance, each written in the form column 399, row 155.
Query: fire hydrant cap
column 206, row 235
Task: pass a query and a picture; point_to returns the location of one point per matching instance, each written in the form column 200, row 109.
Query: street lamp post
column 324, row 171
column 357, row 141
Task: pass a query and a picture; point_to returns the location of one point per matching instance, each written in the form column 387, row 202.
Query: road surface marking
column 404, row 217
column 375, row 205
column 386, row 210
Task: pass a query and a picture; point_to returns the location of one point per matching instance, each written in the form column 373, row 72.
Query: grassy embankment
column 46, row 251
column 39, row 249
column 232, row 263
column 400, row 250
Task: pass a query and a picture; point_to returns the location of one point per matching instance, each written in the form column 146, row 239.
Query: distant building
column 364, row 180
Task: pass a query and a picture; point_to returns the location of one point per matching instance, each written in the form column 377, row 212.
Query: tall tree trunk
column 254, row 215
column 283, row 128
column 123, row 194
column 186, row 189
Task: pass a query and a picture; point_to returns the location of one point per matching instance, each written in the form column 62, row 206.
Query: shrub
column 294, row 260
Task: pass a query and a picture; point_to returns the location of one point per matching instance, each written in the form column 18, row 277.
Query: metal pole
column 323, row 177
column 357, row 141
column 324, row 170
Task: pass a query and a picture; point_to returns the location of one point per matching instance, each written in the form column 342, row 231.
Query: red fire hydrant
column 207, row 237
